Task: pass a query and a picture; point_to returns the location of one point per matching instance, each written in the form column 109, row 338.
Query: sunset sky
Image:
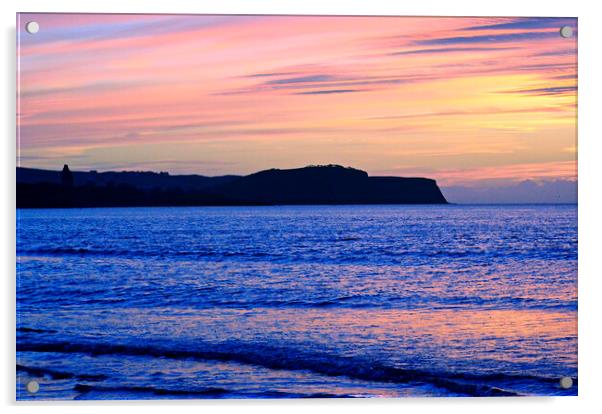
column 461, row 100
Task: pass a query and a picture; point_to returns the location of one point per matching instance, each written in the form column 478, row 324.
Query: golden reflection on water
column 518, row 335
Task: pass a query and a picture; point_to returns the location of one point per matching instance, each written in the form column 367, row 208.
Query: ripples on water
column 269, row 302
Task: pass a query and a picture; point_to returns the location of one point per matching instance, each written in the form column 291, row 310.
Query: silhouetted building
column 66, row 176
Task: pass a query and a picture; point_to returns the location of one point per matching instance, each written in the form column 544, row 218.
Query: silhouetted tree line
column 47, row 195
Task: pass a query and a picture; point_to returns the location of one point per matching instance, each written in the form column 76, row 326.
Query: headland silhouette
column 314, row 184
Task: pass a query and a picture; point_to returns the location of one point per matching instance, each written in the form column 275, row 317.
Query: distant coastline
column 324, row 184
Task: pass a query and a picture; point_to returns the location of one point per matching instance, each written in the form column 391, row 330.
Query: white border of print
column 590, row 199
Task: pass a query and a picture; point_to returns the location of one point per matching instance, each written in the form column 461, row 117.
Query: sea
column 296, row 301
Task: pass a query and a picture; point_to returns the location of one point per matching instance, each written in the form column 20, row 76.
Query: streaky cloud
column 448, row 50
column 553, row 90
column 565, row 76
column 137, row 27
column 483, row 111
column 269, row 74
column 329, row 91
column 554, row 53
column 526, row 23
column 320, row 82
column 488, row 39
column 301, row 79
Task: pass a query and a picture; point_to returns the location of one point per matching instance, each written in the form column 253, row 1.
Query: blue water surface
column 296, row 301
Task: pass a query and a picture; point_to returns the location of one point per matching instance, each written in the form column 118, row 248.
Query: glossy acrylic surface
column 194, row 275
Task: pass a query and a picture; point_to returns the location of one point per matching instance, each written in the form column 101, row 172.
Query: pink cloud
column 429, row 85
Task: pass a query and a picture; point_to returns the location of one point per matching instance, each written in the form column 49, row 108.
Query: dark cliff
column 331, row 184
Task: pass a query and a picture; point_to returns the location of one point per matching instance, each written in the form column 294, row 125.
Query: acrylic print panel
column 295, row 206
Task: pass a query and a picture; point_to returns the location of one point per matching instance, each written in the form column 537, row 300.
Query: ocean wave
column 66, row 251
column 204, row 392
column 211, row 298
column 293, row 360
column 139, row 392
column 389, row 303
column 297, row 254
column 54, row 374
column 34, row 330
column 81, row 251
